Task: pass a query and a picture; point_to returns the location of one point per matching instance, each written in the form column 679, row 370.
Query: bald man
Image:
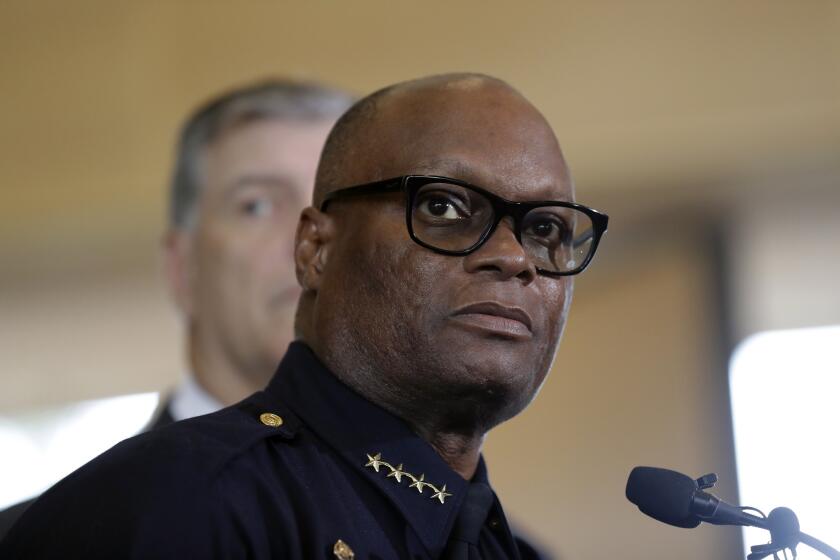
column 436, row 266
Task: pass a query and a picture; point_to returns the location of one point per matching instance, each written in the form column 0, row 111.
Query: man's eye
column 549, row 230
column 257, row 207
column 543, row 229
column 441, row 207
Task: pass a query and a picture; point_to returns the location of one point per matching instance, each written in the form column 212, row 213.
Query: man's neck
column 461, row 453
column 457, row 440
column 219, row 378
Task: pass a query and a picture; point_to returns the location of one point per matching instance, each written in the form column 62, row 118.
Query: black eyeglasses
column 453, row 217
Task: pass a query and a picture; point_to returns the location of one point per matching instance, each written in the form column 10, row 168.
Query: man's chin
column 486, row 373
column 493, row 348
column 499, row 369
column 483, row 401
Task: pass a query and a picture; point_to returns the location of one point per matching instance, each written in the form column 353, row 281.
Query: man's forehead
column 439, row 97
column 481, row 133
column 470, row 127
column 265, row 146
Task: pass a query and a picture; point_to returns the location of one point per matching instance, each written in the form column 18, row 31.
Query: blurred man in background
column 245, row 167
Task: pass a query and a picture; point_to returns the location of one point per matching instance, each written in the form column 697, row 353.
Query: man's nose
column 503, row 255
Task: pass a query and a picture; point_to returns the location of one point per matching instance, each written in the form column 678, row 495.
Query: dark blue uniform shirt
column 287, row 473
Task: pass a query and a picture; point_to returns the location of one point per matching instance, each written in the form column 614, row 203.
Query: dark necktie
column 463, row 541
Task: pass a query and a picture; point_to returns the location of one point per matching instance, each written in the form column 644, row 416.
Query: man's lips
column 493, row 316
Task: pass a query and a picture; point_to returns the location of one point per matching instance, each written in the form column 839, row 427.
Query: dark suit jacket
column 10, row 515
column 287, row 473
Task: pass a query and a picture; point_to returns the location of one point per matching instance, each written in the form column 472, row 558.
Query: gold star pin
column 418, row 483
column 342, row 551
column 397, row 473
column 441, row 494
column 374, row 461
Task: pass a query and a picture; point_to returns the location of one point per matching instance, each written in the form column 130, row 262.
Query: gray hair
column 273, row 99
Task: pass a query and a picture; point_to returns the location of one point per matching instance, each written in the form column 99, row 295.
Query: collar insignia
column 342, row 551
column 375, row 462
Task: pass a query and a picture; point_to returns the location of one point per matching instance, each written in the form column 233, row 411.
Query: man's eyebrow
column 274, row 180
column 458, row 169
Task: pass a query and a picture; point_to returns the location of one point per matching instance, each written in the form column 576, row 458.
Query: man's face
column 241, row 287
column 482, row 327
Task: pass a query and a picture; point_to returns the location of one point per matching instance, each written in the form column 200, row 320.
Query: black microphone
column 679, row 500
column 784, row 527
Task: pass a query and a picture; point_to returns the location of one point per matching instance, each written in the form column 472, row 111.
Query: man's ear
column 313, row 240
column 177, row 247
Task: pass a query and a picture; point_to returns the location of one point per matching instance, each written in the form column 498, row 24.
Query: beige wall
column 787, row 243
column 637, row 381
column 661, row 107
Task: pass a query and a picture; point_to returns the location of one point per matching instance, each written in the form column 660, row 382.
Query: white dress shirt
column 190, row 399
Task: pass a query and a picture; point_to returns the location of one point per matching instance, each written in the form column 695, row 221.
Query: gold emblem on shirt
column 342, row 551
column 271, row 419
column 398, row 472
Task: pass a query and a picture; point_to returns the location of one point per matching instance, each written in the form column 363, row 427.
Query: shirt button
column 270, row 419
column 494, row 524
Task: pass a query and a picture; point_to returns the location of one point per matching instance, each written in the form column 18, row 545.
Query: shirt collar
column 190, row 399
column 375, row 443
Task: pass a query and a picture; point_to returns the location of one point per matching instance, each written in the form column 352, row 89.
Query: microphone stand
column 763, row 550
column 782, row 524
column 819, row 546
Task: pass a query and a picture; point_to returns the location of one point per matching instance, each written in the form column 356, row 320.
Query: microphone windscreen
column 664, row 495
column 784, row 527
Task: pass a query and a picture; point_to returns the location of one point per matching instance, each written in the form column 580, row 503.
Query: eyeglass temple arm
column 589, row 234
column 367, row 188
column 599, row 224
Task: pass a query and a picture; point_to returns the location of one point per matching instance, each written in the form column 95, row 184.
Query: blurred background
column 708, row 131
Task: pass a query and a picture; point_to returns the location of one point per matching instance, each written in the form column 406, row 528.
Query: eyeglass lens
column 454, row 218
